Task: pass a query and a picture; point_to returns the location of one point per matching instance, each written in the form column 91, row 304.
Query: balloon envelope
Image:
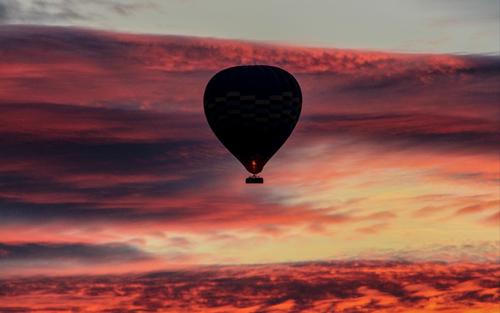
column 252, row 110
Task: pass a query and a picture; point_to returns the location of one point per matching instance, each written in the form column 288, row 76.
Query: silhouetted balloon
column 252, row 110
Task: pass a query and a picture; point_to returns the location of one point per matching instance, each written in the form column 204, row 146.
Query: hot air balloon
column 253, row 109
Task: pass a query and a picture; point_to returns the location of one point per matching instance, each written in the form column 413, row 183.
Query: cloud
column 463, row 11
column 478, row 208
column 102, row 135
column 69, row 251
column 180, row 242
column 165, row 72
column 427, row 211
column 3, row 12
column 372, row 229
column 492, row 220
column 479, row 252
column 87, row 154
column 39, row 11
column 25, row 258
column 361, row 286
column 66, row 11
column 411, row 129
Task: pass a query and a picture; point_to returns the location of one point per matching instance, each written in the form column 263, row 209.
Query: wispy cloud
column 102, row 136
column 65, row 11
column 33, row 252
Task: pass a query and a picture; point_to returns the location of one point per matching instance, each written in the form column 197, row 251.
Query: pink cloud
column 106, row 131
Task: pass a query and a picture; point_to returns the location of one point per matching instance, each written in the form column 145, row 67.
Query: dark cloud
column 80, row 252
column 431, row 131
column 89, row 154
column 92, row 212
column 184, row 54
column 170, row 72
column 425, row 78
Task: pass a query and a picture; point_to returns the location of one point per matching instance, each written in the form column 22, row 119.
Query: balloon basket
column 254, row 179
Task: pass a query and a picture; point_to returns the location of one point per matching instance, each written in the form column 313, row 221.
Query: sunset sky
column 105, row 147
column 107, row 163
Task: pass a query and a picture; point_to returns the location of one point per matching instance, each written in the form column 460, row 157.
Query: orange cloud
column 372, row 229
column 363, row 286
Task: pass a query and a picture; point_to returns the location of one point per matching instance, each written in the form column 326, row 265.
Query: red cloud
column 493, row 219
column 360, row 286
column 106, row 130
column 476, row 208
column 164, row 72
